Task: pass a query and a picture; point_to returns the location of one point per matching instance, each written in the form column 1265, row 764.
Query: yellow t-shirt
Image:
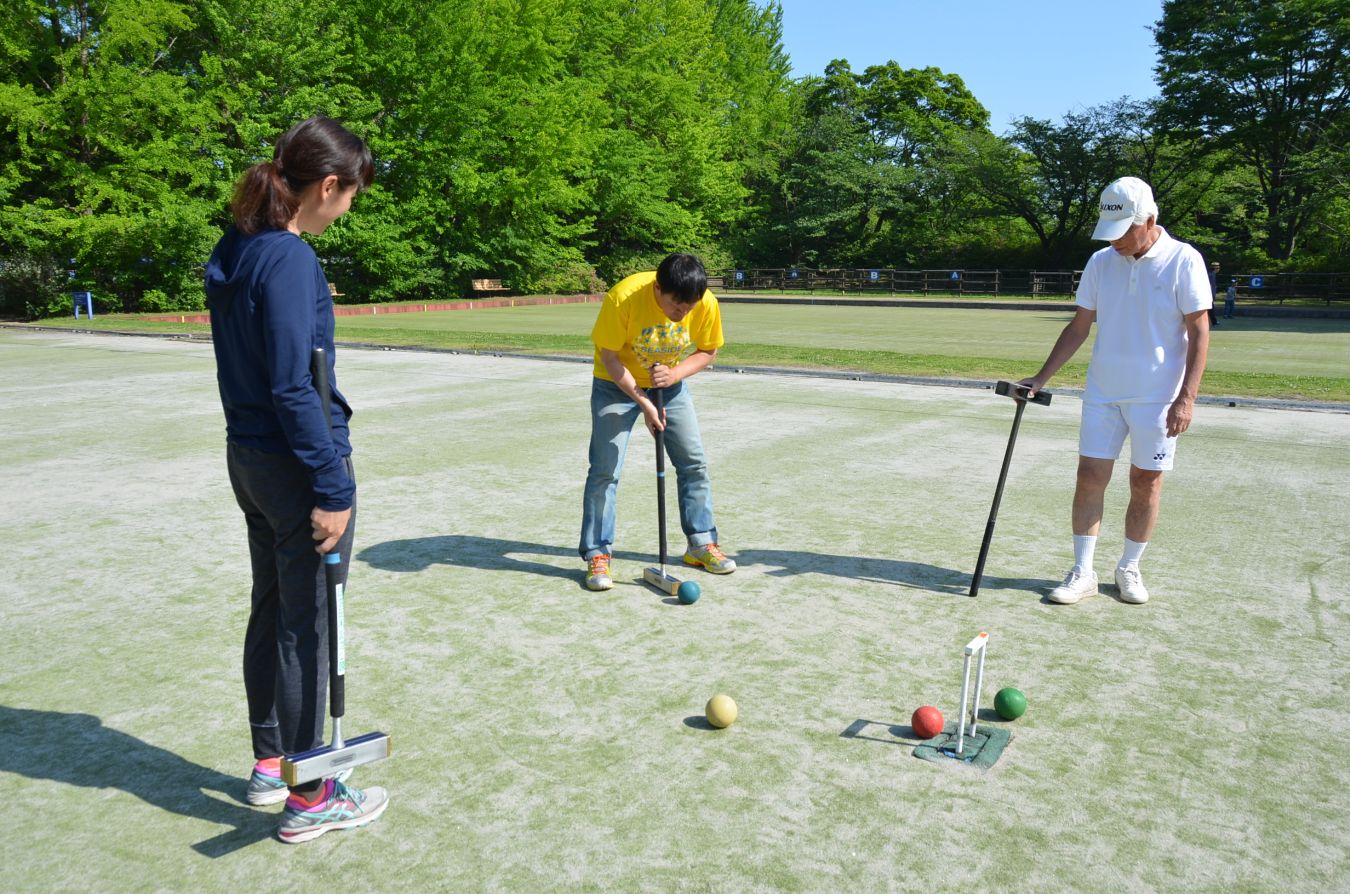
column 633, row 325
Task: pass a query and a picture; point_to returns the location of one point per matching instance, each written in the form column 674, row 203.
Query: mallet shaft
column 998, row 492
column 659, row 397
column 998, row 498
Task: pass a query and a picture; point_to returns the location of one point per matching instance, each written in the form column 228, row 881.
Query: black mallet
column 1019, row 395
column 658, row 577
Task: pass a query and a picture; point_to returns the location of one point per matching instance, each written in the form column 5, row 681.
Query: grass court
column 1304, row 359
column 548, row 738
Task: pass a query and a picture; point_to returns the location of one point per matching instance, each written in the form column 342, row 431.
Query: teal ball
column 688, row 592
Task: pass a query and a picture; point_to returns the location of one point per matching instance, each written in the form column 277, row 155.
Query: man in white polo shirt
column 1149, row 295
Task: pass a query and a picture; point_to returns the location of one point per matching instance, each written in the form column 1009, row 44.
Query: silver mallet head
column 658, row 578
column 320, row 763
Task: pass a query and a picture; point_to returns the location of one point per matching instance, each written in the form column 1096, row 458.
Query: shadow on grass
column 900, row 734
column 77, row 749
column 420, row 553
column 919, row 575
column 699, row 722
column 1311, row 325
column 904, row 734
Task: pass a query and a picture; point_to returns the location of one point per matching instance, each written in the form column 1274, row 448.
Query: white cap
column 1125, row 202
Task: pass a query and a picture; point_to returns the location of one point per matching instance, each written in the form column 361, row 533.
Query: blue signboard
column 874, row 275
column 1257, row 282
column 740, row 276
column 956, row 274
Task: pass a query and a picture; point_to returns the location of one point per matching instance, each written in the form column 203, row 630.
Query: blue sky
column 1040, row 58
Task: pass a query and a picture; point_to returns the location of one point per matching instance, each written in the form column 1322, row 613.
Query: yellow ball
column 721, row 711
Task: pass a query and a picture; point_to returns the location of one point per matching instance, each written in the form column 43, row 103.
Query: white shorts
column 1105, row 426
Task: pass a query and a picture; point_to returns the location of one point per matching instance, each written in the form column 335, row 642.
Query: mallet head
column 320, row 763
column 658, row 578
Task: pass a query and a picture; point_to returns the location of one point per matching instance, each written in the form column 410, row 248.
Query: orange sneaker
column 597, row 573
column 711, row 558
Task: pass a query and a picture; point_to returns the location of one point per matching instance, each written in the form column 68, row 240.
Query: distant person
column 290, row 467
column 1149, row 296
column 1230, row 300
column 654, row 331
column 1214, row 294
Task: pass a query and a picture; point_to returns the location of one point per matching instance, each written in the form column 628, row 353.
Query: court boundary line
column 1216, row 400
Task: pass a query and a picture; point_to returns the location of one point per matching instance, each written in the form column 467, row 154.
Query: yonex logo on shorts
column 1159, row 457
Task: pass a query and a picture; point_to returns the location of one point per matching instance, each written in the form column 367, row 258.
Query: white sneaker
column 1076, row 585
column 1131, row 585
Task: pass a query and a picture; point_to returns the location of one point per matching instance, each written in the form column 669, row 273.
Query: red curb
column 365, row 310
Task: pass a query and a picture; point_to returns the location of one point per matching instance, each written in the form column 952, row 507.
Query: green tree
column 857, row 178
column 663, row 171
column 1268, row 80
column 255, row 67
column 760, row 116
column 913, row 117
column 912, row 111
column 1175, row 164
column 1048, row 176
column 104, row 160
column 481, row 146
column 831, row 173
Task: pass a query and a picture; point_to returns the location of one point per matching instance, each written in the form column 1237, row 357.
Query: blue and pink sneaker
column 337, row 807
column 265, row 786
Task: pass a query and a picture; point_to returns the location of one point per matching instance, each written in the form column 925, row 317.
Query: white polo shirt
column 1139, row 355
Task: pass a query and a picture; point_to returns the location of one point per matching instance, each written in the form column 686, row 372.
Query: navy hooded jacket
column 270, row 307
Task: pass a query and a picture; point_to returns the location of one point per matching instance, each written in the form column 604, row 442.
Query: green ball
column 1010, row 703
column 688, row 592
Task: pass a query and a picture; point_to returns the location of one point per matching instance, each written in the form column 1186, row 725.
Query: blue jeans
column 612, row 416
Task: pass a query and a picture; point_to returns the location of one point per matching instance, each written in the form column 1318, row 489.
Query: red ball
column 927, row 722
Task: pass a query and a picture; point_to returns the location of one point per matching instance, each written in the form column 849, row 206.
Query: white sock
column 1084, row 546
column 1133, row 551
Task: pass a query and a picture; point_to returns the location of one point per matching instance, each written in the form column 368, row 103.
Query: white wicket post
column 974, row 646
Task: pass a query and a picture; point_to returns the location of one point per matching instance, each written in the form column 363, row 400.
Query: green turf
column 550, row 739
column 1249, row 357
column 876, row 295
column 1248, row 300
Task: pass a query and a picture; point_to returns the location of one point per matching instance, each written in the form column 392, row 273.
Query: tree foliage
column 560, row 144
column 102, row 170
column 1269, row 81
column 858, row 179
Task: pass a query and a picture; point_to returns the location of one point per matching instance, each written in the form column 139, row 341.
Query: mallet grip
column 332, row 561
column 337, row 695
column 1019, row 393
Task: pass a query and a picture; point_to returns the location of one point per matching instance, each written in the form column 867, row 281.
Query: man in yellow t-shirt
column 643, row 339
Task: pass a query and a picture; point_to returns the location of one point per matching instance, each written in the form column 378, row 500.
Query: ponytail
column 268, row 195
column 263, row 200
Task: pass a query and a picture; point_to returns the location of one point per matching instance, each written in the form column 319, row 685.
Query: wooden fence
column 1279, row 287
column 1258, row 287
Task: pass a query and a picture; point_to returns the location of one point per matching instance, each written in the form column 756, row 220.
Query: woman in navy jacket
column 290, row 467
